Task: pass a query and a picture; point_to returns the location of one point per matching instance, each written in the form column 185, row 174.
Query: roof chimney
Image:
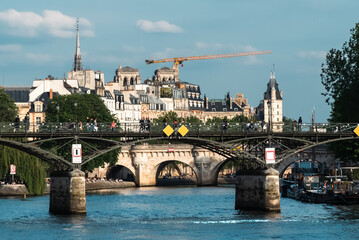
column 51, row 93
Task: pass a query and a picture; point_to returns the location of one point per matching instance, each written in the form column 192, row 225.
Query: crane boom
column 178, row 60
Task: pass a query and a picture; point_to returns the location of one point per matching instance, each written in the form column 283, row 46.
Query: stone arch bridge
column 145, row 161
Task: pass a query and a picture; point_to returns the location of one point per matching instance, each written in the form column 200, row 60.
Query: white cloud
column 53, row 22
column 10, row 48
column 160, row 26
column 133, row 49
column 204, row 45
column 38, row 57
column 312, row 54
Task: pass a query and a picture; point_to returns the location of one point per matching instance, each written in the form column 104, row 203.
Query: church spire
column 77, row 62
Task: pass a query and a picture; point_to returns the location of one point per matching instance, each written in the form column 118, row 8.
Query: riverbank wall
column 21, row 189
column 13, row 190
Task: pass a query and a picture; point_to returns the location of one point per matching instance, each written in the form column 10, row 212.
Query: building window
column 224, row 109
column 212, row 103
column 38, row 120
column 213, row 109
column 235, row 109
column 223, row 103
column 277, row 112
column 38, row 108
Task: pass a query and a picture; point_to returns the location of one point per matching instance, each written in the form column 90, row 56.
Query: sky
column 37, row 38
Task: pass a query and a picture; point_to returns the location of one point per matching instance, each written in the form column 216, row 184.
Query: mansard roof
column 108, row 94
column 220, row 105
column 127, row 69
column 18, row 94
column 165, row 70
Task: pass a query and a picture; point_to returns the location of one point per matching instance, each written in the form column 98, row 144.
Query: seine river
column 175, row 213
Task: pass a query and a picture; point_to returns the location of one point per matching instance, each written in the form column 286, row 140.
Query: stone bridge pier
column 258, row 190
column 68, row 192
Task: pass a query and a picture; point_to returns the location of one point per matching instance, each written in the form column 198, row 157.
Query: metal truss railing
column 215, row 128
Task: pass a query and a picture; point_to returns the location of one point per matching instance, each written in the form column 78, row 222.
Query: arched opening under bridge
column 120, row 173
column 174, row 173
column 226, row 171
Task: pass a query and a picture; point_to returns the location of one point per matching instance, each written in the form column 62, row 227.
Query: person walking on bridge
column 113, row 126
column 300, row 124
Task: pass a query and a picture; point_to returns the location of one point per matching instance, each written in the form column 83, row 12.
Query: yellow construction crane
column 179, row 60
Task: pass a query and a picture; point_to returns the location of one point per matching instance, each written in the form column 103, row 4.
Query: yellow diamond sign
column 356, row 130
column 168, row 130
column 183, row 130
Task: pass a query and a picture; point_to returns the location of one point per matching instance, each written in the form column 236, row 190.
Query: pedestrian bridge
column 237, row 140
column 211, row 146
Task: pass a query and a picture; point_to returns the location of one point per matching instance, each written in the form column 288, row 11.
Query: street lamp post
column 58, row 110
column 76, row 123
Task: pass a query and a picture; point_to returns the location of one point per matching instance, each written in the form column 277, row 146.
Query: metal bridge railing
column 214, row 128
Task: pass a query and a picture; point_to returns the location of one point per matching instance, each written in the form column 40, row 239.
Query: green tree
column 8, row 109
column 242, row 119
column 340, row 77
column 287, row 121
column 170, row 115
column 29, row 169
column 88, row 105
column 193, row 120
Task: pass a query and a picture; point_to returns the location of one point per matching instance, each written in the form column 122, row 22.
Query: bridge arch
column 181, row 177
column 120, row 172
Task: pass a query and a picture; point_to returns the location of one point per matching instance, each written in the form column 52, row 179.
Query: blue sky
column 37, row 38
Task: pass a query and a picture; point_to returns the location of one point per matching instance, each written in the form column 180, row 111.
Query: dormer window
column 235, row 109
column 38, row 108
column 213, row 109
column 224, row 109
column 223, row 103
column 212, row 103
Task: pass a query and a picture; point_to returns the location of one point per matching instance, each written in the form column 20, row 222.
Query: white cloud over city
column 52, row 22
column 312, row 54
column 159, row 26
column 10, row 48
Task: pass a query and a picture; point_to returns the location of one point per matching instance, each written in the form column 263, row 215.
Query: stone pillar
column 205, row 177
column 68, row 192
column 144, row 175
column 258, row 190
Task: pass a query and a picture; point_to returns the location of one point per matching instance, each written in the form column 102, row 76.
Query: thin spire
column 77, row 62
column 272, row 74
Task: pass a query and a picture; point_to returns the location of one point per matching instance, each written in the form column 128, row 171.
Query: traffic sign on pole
column 12, row 169
column 270, row 155
column 76, row 153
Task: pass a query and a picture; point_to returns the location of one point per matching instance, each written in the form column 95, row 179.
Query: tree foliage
column 29, row 169
column 88, row 105
column 110, row 158
column 170, row 115
column 8, row 109
column 340, row 77
column 287, row 120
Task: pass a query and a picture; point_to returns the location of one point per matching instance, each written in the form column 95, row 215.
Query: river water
column 175, row 213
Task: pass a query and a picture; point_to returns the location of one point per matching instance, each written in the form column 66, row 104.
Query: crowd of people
column 97, row 179
column 145, row 124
